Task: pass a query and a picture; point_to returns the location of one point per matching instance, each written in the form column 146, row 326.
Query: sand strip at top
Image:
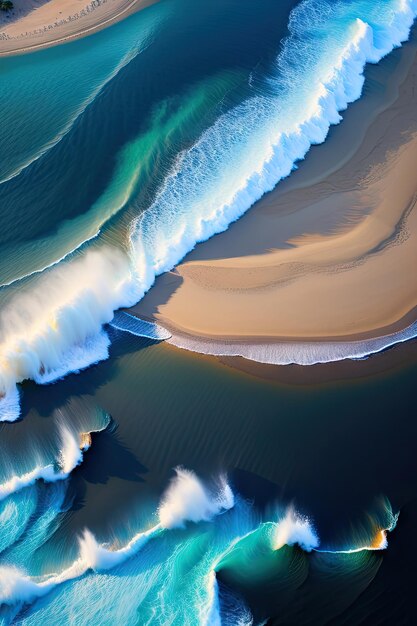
column 35, row 24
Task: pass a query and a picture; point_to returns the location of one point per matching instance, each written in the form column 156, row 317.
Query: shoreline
column 37, row 31
column 319, row 352
column 345, row 219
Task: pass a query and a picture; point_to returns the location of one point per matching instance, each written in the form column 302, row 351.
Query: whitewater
column 201, row 525
column 71, row 448
column 187, row 499
column 54, row 323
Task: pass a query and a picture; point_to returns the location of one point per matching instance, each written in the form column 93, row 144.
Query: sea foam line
column 295, row 352
column 140, row 328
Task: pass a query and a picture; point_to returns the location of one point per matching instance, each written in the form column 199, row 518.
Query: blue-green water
column 118, row 153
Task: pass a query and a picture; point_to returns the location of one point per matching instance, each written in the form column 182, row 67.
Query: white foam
column 99, row 557
column 55, row 327
column 294, row 529
column 204, row 193
column 43, row 269
column 379, row 541
column 231, row 167
column 210, row 611
column 296, row 352
column 138, row 327
column 15, row 483
column 187, row 499
column 15, row 587
column 70, row 455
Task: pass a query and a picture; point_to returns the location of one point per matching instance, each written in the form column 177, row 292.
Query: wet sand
column 35, row 24
column 329, row 254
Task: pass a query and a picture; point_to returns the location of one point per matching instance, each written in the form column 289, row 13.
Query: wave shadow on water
column 86, row 382
column 110, row 458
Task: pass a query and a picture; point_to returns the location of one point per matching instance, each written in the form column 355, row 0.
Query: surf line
column 187, row 499
column 133, row 325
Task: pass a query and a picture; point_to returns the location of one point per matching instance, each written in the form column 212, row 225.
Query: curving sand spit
column 35, row 24
column 329, row 256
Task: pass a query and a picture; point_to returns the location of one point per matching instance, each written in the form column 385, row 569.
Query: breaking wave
column 294, row 529
column 70, row 455
column 57, row 328
column 187, row 500
column 202, row 530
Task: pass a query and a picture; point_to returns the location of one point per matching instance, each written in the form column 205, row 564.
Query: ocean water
column 279, row 511
column 156, row 486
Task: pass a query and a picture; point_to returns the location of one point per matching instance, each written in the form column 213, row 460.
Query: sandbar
column 36, row 24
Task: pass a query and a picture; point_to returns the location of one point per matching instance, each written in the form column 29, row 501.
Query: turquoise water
column 118, row 153
column 265, row 437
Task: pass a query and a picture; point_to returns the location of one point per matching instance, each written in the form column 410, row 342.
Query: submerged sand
column 330, row 255
column 35, row 24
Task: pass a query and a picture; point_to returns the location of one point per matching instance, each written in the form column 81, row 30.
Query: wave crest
column 295, row 529
column 187, row 499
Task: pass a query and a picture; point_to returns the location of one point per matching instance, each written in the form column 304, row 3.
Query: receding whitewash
column 295, row 352
column 140, row 328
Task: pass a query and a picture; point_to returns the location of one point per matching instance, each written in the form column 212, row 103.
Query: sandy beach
column 329, row 254
column 35, row 24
